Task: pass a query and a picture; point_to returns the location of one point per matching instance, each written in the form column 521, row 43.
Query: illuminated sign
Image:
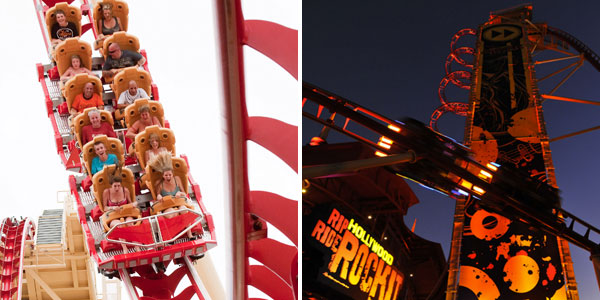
column 359, row 265
column 501, row 33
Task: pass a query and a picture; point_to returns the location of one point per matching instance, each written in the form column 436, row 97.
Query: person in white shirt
column 130, row 95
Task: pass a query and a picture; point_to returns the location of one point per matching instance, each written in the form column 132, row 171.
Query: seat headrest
column 72, row 13
column 180, row 169
column 125, row 40
column 75, row 85
column 112, row 145
column 69, row 47
column 101, row 182
column 122, row 79
column 120, row 9
column 132, row 114
column 142, row 142
column 83, row 119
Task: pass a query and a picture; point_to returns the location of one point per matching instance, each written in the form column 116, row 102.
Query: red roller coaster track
column 277, row 277
column 13, row 235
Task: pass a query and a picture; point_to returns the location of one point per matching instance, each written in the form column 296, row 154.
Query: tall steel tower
column 492, row 256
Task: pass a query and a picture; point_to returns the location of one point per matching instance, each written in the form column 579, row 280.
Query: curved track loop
column 459, row 34
column 458, row 108
column 13, row 235
column 588, row 53
column 455, row 56
column 456, row 78
column 455, row 53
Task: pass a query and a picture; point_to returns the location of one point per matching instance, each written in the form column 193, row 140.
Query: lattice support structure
column 59, row 266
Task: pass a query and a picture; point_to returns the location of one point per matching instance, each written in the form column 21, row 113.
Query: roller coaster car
column 140, row 232
column 468, row 176
column 112, row 145
column 425, row 141
column 75, row 85
column 132, row 111
column 425, row 173
column 528, row 190
column 83, row 119
column 471, row 177
column 142, row 144
column 429, row 144
column 164, row 236
column 120, row 9
column 72, row 13
column 180, row 169
column 69, row 47
column 494, row 182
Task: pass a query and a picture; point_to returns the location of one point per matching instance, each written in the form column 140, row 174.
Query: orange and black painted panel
column 502, row 258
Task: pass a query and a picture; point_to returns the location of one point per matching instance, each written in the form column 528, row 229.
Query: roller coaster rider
column 96, row 127
column 102, row 158
column 118, row 59
column 145, row 120
column 74, row 69
column 62, row 29
column 88, row 98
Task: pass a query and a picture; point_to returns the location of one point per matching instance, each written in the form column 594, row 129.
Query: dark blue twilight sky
column 389, row 56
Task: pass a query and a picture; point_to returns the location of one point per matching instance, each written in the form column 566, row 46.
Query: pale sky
column 181, row 45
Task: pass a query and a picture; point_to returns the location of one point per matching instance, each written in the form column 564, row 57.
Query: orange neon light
column 478, row 190
column 394, row 128
column 386, row 140
column 384, row 145
column 380, row 154
column 492, row 167
column 465, row 184
column 484, row 175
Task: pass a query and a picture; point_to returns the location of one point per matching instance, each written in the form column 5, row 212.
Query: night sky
column 389, row 56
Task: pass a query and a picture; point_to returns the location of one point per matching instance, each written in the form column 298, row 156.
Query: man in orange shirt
column 86, row 99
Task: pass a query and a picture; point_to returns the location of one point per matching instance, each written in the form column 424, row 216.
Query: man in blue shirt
column 102, row 158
